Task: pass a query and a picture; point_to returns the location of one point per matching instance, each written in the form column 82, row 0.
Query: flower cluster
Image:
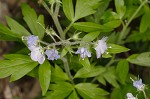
column 38, row 53
column 100, row 49
column 139, row 86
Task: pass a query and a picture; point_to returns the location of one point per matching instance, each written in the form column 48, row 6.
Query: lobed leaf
column 68, row 9
column 6, row 33
column 60, row 90
column 90, row 91
column 114, row 48
column 140, row 59
column 32, row 20
column 14, row 66
column 58, row 74
column 84, row 73
column 122, row 70
column 16, row 27
column 91, row 36
column 144, row 24
column 85, row 7
column 113, row 24
column 91, row 27
column 73, row 95
column 45, row 76
column 120, row 7
column 86, row 63
column 110, row 76
column 22, row 70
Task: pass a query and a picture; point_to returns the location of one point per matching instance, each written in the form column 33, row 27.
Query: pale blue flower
column 32, row 42
column 37, row 55
column 101, row 47
column 52, row 54
column 130, row 96
column 83, row 52
column 138, row 84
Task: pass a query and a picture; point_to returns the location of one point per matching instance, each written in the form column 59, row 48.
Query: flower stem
column 55, row 18
column 144, row 94
column 111, row 61
column 129, row 21
column 67, row 69
column 68, row 27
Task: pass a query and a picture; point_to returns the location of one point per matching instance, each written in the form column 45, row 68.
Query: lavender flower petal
column 101, row 47
column 130, row 96
column 52, row 54
column 83, row 52
column 138, row 84
column 37, row 55
column 32, row 42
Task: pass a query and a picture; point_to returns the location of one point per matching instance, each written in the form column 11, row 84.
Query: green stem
column 95, row 78
column 68, row 27
column 57, row 8
column 55, row 19
column 144, row 94
column 58, row 26
column 129, row 21
column 47, row 8
column 67, row 69
column 111, row 61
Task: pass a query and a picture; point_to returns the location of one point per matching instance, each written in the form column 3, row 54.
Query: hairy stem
column 55, row 18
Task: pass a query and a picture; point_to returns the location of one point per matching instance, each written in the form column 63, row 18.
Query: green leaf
column 4, row 31
column 120, row 8
column 73, row 95
column 34, row 73
column 58, row 74
column 142, row 59
column 16, row 27
column 18, row 56
column 68, row 9
column 85, row 7
column 145, row 23
column 110, row 77
column 116, row 49
column 90, row 91
column 113, row 24
column 85, row 63
column 64, row 52
column 4, row 37
column 45, row 76
column 106, row 55
column 32, row 20
column 60, row 90
column 101, row 80
column 136, row 36
column 122, row 70
column 117, row 93
column 91, row 36
column 23, row 70
column 90, row 27
column 16, row 65
column 84, row 73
